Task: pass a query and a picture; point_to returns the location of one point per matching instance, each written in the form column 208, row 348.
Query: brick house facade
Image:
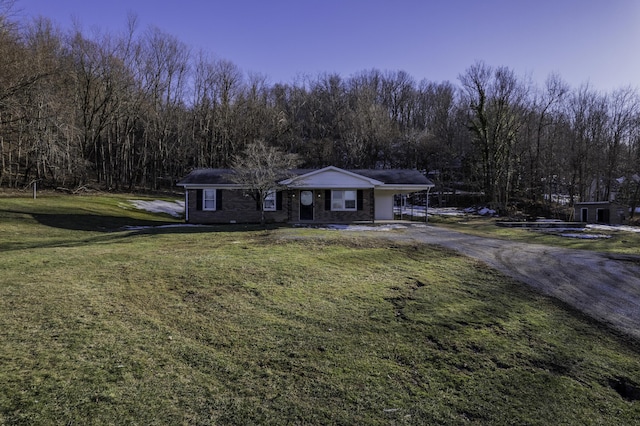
column 328, row 195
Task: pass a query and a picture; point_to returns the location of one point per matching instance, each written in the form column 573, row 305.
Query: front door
column 584, row 214
column 602, row 216
column 306, row 205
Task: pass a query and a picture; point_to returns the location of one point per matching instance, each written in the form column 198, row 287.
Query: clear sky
column 585, row 41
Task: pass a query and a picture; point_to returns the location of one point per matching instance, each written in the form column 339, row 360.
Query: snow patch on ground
column 174, row 225
column 614, row 228
column 585, row 236
column 445, row 211
column 345, row 227
column 486, row 212
column 419, row 211
column 483, row 211
column 172, row 208
column 577, row 233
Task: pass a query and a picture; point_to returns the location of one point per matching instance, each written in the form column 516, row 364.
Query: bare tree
column 540, row 165
column 129, row 109
column 46, row 108
column 227, row 85
column 624, row 108
column 584, row 151
column 443, row 138
column 368, row 129
column 164, row 68
column 497, row 101
column 260, row 168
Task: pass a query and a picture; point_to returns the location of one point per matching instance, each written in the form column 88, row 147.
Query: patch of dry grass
column 622, row 242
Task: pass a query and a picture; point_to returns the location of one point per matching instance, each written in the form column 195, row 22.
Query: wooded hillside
column 139, row 109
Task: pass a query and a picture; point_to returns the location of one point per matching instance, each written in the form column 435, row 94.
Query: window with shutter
column 209, row 199
column 344, row 200
column 269, row 204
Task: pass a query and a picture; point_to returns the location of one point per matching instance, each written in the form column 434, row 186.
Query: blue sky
column 585, row 41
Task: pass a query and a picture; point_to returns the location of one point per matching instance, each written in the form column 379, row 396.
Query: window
column 344, row 200
column 269, row 204
column 208, row 199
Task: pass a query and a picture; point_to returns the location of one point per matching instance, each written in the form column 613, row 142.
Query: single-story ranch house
column 328, row 195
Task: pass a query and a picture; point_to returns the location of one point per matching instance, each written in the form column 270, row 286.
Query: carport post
column 426, row 207
column 186, row 204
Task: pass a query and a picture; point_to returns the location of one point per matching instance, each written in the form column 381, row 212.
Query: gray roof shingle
column 395, row 176
column 207, row 177
column 388, row 176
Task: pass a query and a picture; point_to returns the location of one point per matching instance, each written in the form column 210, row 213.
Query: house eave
column 404, row 187
column 330, row 186
column 597, row 203
column 383, row 187
column 210, row 185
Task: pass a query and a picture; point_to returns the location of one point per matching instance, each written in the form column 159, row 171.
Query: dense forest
column 139, row 109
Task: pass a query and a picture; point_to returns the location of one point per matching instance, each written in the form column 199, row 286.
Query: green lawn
column 237, row 325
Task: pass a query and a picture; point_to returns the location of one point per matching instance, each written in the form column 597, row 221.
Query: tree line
column 140, row 109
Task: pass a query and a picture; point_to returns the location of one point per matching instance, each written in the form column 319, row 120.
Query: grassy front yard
column 236, row 325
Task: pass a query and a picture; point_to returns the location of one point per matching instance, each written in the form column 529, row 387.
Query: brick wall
column 242, row 209
column 236, row 208
column 320, row 214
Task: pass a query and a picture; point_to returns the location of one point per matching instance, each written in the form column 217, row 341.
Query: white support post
column 426, row 209
column 186, row 205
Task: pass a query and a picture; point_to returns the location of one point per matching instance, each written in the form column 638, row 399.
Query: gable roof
column 396, row 176
column 334, row 177
column 207, row 177
column 391, row 178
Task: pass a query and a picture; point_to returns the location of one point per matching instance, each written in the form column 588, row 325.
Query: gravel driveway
column 603, row 286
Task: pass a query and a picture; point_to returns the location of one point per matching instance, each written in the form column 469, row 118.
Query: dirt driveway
column 604, row 286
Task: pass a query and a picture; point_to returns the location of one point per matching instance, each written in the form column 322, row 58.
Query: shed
column 605, row 212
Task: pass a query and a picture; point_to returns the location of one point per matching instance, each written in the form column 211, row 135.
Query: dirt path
column 604, row 286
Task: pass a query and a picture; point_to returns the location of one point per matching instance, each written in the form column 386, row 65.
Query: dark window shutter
column 198, row 199
column 218, row 199
column 258, row 200
column 279, row 200
column 327, row 199
column 360, row 198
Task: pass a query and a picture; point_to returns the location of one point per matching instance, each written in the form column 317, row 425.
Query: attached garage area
column 384, row 205
column 393, row 204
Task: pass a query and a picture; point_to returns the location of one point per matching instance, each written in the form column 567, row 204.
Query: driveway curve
column 602, row 285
